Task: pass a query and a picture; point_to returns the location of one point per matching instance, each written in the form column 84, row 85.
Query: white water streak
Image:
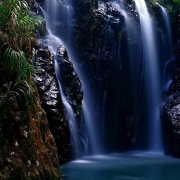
column 152, row 77
column 52, row 16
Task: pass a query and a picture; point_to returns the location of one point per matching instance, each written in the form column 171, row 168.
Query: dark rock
column 35, row 6
column 100, row 34
column 47, row 84
column 170, row 116
column 27, row 147
column 170, row 112
column 71, row 85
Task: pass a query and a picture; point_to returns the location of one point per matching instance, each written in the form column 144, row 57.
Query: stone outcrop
column 48, row 88
column 71, row 85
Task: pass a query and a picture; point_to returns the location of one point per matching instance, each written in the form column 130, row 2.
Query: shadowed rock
column 47, row 84
column 71, row 85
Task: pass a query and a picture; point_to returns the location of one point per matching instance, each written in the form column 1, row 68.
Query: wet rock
column 170, row 112
column 36, row 7
column 71, row 84
column 100, row 36
column 170, row 116
column 47, row 84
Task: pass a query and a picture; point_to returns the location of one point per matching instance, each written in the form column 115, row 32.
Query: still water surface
column 128, row 166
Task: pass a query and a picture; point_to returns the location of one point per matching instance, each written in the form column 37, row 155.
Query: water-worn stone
column 71, row 84
column 48, row 88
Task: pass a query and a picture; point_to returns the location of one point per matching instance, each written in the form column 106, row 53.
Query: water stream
column 166, row 36
column 144, row 65
column 167, row 54
column 152, row 77
column 71, row 118
column 59, row 15
column 53, row 20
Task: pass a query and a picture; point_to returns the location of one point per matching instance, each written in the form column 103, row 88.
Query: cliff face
column 71, row 87
column 48, row 88
column 102, row 46
column 170, row 111
column 46, row 79
column 99, row 32
column 27, row 147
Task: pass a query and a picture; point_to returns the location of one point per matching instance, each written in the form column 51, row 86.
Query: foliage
column 21, row 118
column 17, row 23
column 17, row 29
column 176, row 1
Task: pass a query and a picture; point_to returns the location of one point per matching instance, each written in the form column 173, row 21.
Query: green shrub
column 17, row 28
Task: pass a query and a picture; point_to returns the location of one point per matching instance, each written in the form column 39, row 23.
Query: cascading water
column 105, row 45
column 53, row 20
column 167, row 46
column 152, row 77
column 70, row 116
column 146, row 59
column 136, row 64
column 58, row 14
column 134, row 51
column 166, row 37
column 144, row 68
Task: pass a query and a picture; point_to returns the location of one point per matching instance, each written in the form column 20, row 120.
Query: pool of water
column 128, row 166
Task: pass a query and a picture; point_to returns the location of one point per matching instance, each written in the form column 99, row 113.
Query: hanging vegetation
column 17, row 30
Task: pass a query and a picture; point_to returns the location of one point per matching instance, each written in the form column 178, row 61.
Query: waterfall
column 71, row 117
column 152, row 77
column 58, row 15
column 167, row 45
column 56, row 12
column 144, row 69
column 134, row 51
column 167, row 39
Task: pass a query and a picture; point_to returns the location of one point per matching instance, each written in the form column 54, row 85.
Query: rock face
column 71, row 85
column 98, row 32
column 171, row 125
column 27, row 147
column 170, row 112
column 48, row 88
